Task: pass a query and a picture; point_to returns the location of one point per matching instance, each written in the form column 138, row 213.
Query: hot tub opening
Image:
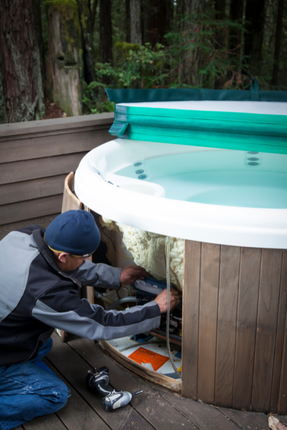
column 229, row 178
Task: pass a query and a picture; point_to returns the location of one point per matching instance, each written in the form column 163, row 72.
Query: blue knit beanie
column 74, row 232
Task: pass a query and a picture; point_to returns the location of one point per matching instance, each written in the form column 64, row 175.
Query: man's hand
column 131, row 273
column 161, row 300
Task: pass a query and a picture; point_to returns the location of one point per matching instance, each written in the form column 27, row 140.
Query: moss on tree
column 65, row 49
column 122, row 50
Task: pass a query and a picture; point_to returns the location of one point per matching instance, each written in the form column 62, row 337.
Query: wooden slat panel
column 70, row 201
column 191, row 285
column 266, row 328
column 208, row 321
column 52, row 145
column 246, row 326
column 39, row 168
column 30, row 209
column 227, row 310
column 55, row 125
column 29, row 190
column 280, row 335
column 282, row 398
column 42, row 221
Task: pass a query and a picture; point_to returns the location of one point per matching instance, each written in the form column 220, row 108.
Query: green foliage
column 62, row 5
column 141, row 68
column 95, row 99
column 122, row 50
column 202, row 37
column 209, row 39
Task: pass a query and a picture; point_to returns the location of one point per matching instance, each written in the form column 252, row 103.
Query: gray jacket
column 36, row 297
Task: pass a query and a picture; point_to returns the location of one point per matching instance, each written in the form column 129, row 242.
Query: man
column 41, row 275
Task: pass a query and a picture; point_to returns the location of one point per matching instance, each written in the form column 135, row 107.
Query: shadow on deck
column 156, row 408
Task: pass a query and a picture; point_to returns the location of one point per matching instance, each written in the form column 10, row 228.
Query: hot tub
column 223, row 189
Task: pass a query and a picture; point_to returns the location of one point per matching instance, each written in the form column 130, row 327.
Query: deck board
column 47, row 422
column 155, row 409
column 75, row 366
column 149, row 404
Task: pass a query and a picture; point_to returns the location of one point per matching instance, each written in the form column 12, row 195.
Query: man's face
column 74, row 262
column 69, row 263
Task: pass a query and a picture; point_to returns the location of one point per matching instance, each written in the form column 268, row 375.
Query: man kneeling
column 42, row 273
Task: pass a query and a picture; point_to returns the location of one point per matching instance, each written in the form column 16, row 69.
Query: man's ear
column 62, row 257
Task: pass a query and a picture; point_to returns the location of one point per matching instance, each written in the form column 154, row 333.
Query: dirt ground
column 53, row 111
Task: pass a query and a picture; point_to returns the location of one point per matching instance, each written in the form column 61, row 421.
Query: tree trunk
column 236, row 14
column 87, row 40
column 39, row 34
column 191, row 56
column 220, row 9
column 128, row 21
column 253, row 40
column 93, row 13
column 64, row 61
column 136, row 33
column 278, row 38
column 3, row 116
column 220, row 37
column 156, row 20
column 21, row 64
column 106, row 41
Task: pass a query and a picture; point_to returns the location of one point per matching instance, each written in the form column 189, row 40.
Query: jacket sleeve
column 62, row 308
column 98, row 275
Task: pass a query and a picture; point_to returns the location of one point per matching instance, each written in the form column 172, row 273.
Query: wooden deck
column 156, row 408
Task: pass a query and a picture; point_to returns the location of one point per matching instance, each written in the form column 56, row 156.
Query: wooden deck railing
column 35, row 158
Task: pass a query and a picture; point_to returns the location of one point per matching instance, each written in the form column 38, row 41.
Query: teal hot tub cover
column 138, row 117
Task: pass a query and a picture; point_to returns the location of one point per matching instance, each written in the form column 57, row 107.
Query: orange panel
column 143, row 355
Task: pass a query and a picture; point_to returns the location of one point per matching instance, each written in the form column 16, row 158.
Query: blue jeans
column 28, row 391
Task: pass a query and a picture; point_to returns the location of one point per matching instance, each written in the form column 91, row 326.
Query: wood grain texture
column 54, row 144
column 269, row 290
column 54, row 125
column 247, row 420
column 35, row 158
column 205, row 417
column 40, row 168
column 156, row 408
column 46, row 422
column 30, row 190
column 207, row 337
column 30, row 209
column 282, row 397
column 226, row 329
column 70, row 200
column 150, row 375
column 77, row 414
column 150, row 404
column 190, row 310
column 66, row 359
column 246, row 327
column 42, row 221
column 280, row 337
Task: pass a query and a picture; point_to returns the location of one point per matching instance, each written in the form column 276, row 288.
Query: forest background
column 63, row 53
